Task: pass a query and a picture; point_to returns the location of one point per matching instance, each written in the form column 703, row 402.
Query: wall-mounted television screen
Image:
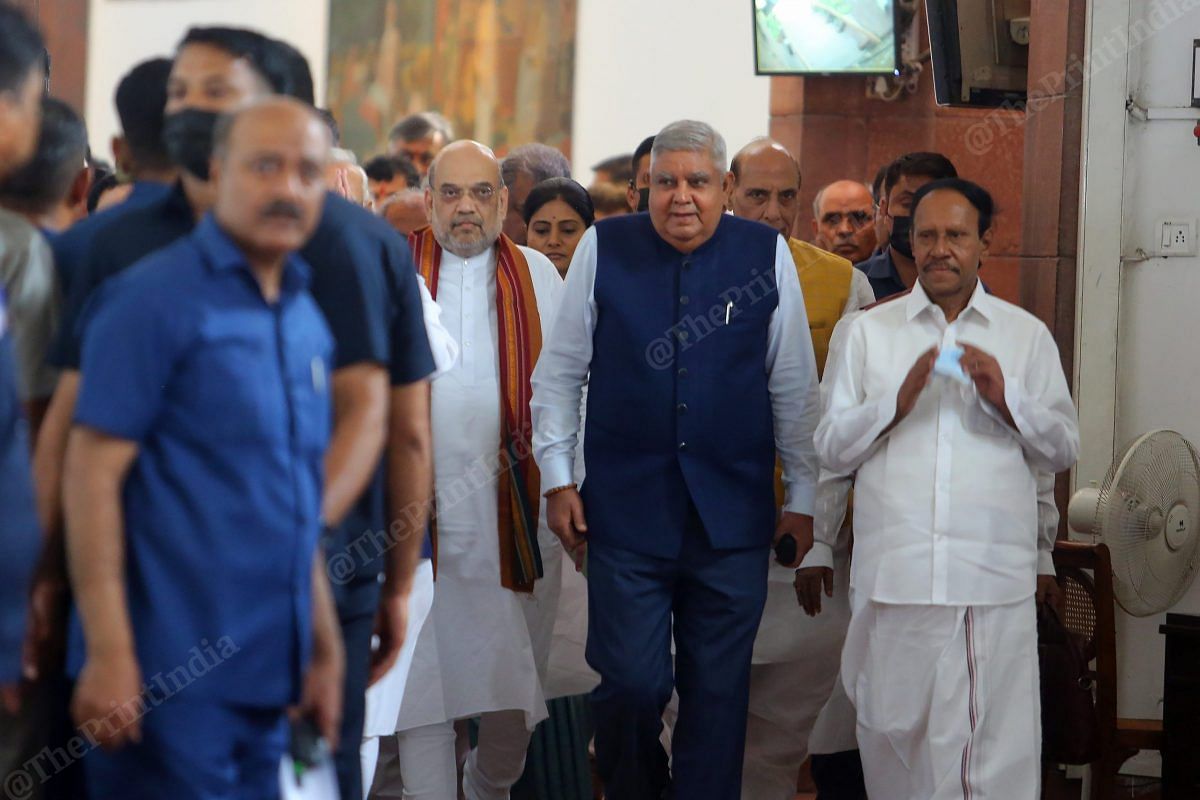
column 805, row 37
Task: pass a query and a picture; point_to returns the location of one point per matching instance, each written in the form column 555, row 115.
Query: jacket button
column 682, row 446
column 681, row 336
column 683, row 373
column 681, row 408
column 684, row 300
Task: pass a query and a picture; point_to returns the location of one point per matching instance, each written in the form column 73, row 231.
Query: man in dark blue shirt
column 139, row 152
column 365, row 285
column 892, row 270
column 194, row 483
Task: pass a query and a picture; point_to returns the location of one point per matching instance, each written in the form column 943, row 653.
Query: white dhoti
column 792, row 675
column 948, row 700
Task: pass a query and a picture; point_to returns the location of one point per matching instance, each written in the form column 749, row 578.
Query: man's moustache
column 283, row 209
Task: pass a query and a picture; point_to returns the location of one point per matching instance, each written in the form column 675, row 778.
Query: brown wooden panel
column 64, row 23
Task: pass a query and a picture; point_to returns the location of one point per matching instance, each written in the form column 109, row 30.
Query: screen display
column 825, row 36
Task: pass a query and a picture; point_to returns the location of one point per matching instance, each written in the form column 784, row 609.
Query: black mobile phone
column 785, row 550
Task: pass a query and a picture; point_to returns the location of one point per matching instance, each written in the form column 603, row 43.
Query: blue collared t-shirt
column 883, row 275
column 19, row 538
column 228, row 398
column 71, row 247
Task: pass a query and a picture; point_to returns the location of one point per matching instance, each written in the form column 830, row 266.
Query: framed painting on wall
column 502, row 71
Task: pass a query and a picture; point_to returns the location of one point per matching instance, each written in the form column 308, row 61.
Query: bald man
column 405, row 211
column 189, row 357
column 796, row 656
column 844, row 220
column 483, row 647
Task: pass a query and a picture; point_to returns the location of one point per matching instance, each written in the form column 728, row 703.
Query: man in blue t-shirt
column 364, row 284
column 194, row 486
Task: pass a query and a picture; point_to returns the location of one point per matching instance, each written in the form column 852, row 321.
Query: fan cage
column 1159, row 472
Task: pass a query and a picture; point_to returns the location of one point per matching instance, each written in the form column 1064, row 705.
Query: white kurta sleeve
column 1047, row 521
column 792, row 383
column 833, row 488
column 861, row 293
column 441, row 343
column 852, row 423
column 562, row 369
column 1039, row 401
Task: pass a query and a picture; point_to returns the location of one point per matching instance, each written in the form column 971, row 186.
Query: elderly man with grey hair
column 688, row 328
column 522, row 169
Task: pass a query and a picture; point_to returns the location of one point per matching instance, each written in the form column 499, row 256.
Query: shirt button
column 687, row 263
column 681, row 408
column 681, row 336
column 684, row 300
column 682, row 446
column 683, row 373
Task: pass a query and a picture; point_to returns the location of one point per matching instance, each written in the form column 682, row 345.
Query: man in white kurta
column 482, row 650
column 796, row 656
column 941, row 656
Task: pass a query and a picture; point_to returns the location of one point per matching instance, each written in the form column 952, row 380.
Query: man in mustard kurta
column 796, row 657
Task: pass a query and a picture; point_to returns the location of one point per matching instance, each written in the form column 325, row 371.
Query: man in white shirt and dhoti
column 947, row 402
column 482, row 650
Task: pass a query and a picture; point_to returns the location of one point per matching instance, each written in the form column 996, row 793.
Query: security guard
column 365, row 285
column 193, row 487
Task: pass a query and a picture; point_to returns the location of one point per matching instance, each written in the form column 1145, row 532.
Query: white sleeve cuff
column 1046, row 563
column 558, row 470
column 821, row 555
column 801, row 498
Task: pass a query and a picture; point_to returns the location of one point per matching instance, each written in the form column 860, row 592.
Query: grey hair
column 540, row 162
column 821, row 195
column 687, row 135
column 418, row 126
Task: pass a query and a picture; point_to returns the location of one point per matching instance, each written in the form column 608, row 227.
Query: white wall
column 639, row 64
column 122, row 33
column 643, row 63
column 1157, row 365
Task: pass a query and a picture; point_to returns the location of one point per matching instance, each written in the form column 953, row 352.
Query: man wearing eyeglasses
column 843, row 217
column 482, row 650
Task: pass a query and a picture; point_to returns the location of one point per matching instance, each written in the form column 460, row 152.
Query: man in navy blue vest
column 688, row 329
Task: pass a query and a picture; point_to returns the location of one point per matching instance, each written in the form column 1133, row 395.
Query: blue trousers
column 195, row 749
column 710, row 601
column 356, row 603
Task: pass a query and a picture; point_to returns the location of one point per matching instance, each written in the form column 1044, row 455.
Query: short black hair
column 934, row 166
column 141, row 96
column 386, row 168
column 272, row 63
column 563, row 189
column 620, row 167
column 641, row 152
column 44, row 181
column 975, row 194
column 299, row 74
column 22, row 49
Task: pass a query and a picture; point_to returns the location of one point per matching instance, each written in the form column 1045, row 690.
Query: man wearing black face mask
column 893, row 270
column 365, row 285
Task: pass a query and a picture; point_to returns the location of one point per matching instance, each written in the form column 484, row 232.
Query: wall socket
column 1176, row 237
